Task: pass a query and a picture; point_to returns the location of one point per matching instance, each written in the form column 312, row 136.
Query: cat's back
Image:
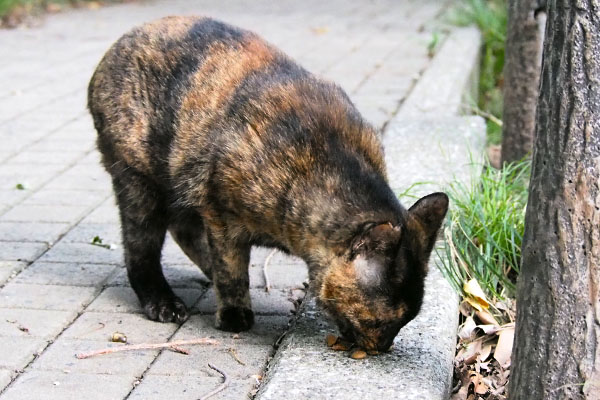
column 145, row 79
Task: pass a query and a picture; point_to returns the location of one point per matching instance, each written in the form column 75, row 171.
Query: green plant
column 490, row 17
column 484, row 230
column 7, row 5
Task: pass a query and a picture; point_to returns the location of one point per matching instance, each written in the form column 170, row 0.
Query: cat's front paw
column 234, row 319
column 167, row 310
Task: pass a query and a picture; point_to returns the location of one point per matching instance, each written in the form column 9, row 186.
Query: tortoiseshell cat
column 215, row 135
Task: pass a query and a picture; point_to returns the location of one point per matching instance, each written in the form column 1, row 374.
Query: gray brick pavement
column 58, row 293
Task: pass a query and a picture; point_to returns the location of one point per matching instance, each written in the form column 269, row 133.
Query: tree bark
column 521, row 77
column 557, row 344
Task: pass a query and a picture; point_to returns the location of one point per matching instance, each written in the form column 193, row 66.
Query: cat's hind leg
column 187, row 229
column 144, row 224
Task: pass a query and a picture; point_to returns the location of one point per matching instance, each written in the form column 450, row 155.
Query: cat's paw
column 167, row 310
column 234, row 319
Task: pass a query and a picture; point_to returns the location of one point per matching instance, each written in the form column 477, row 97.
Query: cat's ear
column 376, row 238
column 429, row 211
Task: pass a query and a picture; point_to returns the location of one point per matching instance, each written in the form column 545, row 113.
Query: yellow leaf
column 475, row 295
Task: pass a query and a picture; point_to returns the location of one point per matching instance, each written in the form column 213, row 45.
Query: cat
column 215, row 135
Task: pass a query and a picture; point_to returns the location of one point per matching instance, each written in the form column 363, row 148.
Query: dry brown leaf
column 467, row 329
column 465, row 309
column 489, row 329
column 471, row 351
column 485, row 352
column 486, row 318
column 475, row 295
column 504, row 346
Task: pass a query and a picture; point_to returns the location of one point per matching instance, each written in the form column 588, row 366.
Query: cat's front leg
column 231, row 283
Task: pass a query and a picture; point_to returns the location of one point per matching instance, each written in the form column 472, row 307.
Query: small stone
column 340, row 347
column 331, row 340
column 358, row 354
column 118, row 337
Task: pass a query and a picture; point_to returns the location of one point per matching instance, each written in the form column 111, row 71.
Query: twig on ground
column 235, row 356
column 147, row 346
column 181, row 350
column 265, row 273
column 220, row 387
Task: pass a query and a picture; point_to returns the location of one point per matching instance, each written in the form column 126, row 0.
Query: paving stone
column 99, row 326
column 6, row 376
column 44, row 324
column 68, row 274
column 80, row 182
column 9, row 269
column 45, row 297
column 123, row 299
column 185, row 388
column 32, row 231
column 58, row 385
column 275, row 302
column 85, row 233
column 51, row 213
column 43, row 158
column 178, row 276
column 66, row 198
column 83, row 253
column 60, row 356
column 11, row 196
column 265, row 331
column 172, row 253
column 19, row 351
column 253, row 356
column 21, row 251
column 281, row 276
column 107, row 213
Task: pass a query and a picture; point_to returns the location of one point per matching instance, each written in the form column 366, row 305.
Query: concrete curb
column 420, row 364
column 450, row 81
column 426, row 142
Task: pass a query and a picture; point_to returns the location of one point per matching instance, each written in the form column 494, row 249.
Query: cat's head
column 379, row 288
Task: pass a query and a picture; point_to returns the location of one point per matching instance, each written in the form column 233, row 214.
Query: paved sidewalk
column 59, row 294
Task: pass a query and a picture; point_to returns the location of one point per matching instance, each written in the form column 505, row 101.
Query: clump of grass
column 490, row 17
column 484, row 230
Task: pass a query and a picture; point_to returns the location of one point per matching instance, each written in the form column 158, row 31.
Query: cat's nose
column 385, row 344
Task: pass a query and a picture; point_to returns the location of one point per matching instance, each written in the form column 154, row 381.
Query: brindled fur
column 215, row 135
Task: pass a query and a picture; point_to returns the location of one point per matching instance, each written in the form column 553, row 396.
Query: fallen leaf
column 472, row 351
column 465, row 309
column 485, row 352
column 467, row 329
column 487, row 318
column 475, row 295
column 504, row 346
column 489, row 329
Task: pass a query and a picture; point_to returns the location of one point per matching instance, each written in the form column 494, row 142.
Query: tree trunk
column 557, row 344
column 521, row 77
